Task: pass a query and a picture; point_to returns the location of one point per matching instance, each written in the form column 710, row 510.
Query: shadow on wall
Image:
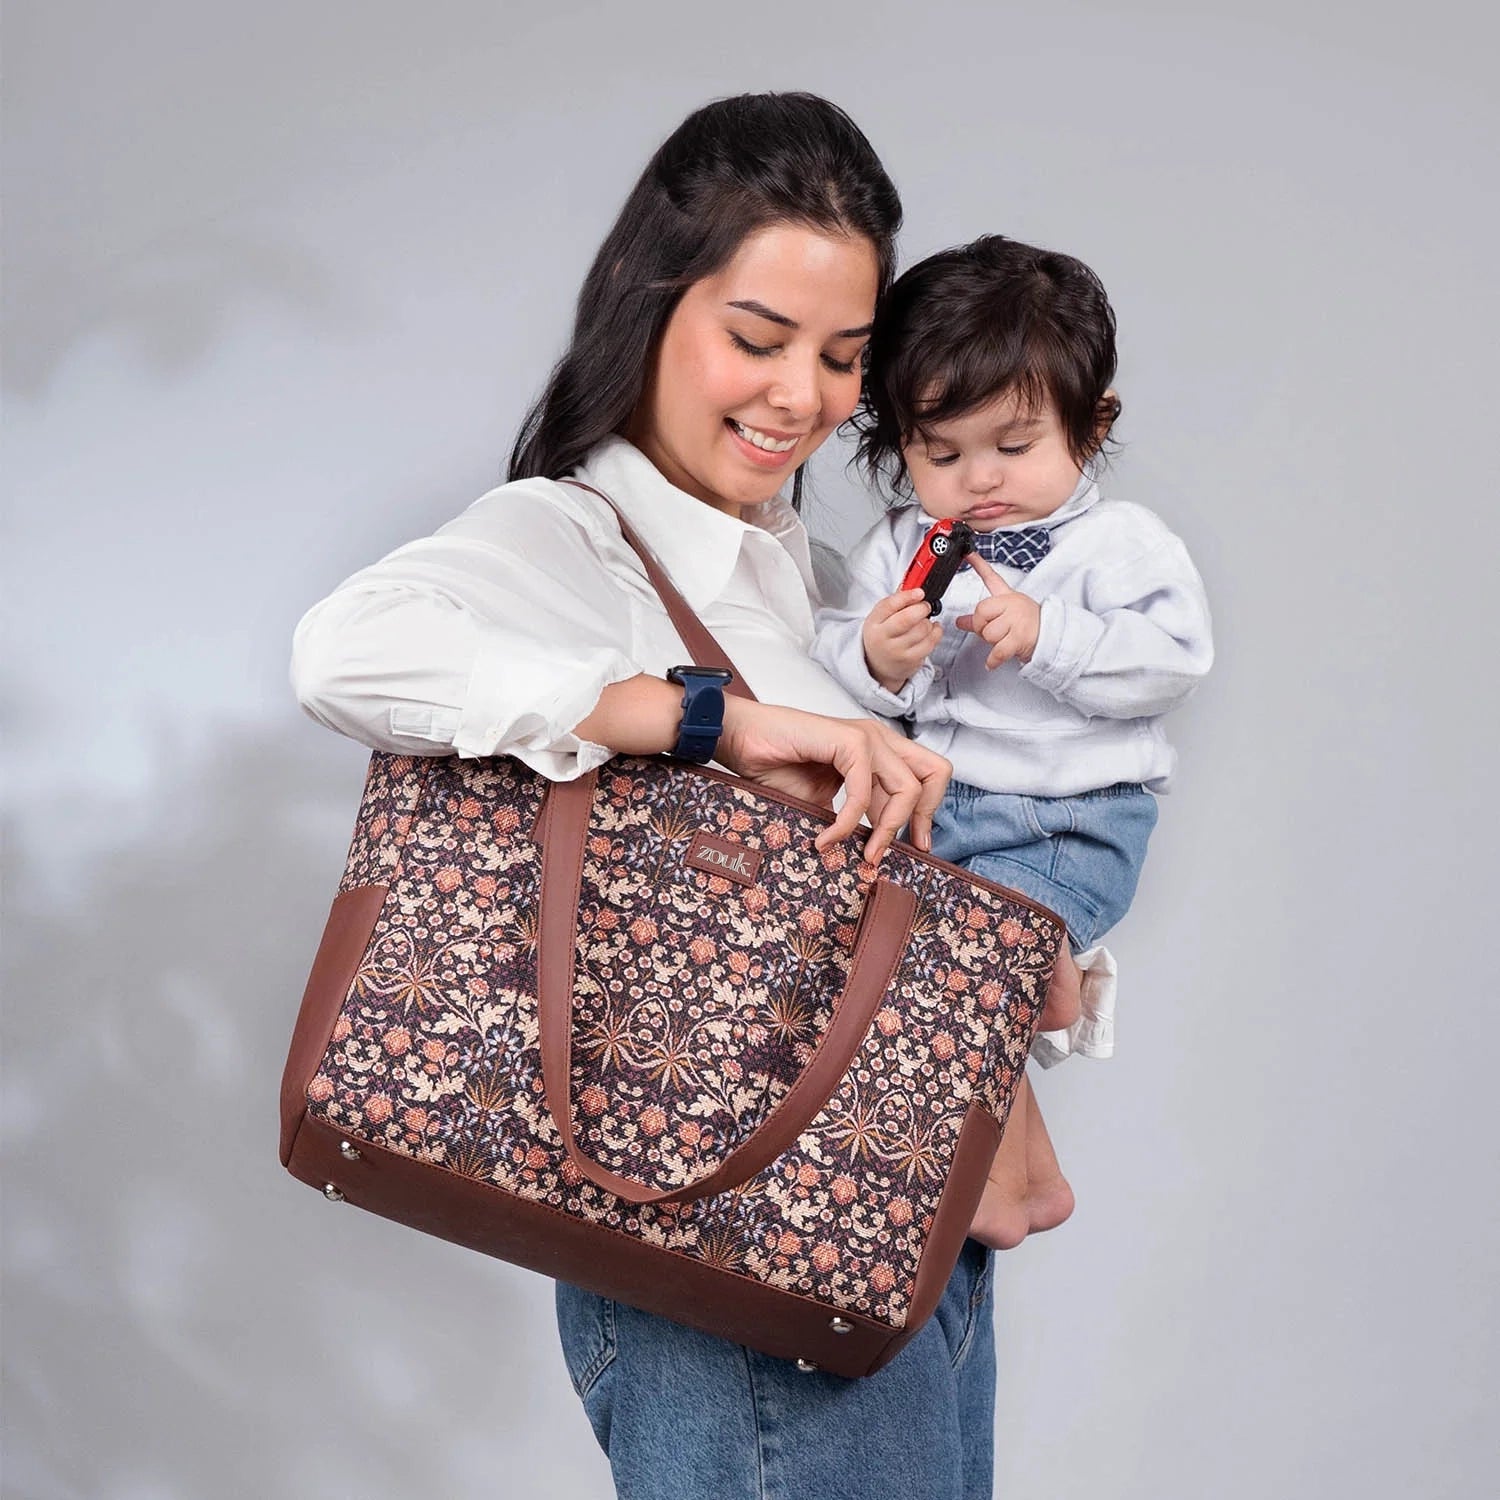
column 170, row 305
column 183, row 1320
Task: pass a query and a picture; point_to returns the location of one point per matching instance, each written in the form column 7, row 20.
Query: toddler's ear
column 1106, row 414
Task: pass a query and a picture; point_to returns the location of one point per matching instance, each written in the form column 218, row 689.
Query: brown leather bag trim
column 726, row 1304
column 346, row 935
column 972, row 1156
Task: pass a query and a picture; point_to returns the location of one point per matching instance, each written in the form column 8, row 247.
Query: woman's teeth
column 770, row 444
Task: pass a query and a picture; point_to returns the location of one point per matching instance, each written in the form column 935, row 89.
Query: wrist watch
column 702, row 711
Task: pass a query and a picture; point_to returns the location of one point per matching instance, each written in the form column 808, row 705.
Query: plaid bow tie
column 1022, row 549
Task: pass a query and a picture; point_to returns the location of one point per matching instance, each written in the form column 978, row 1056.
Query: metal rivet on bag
column 806, row 1366
column 333, row 1193
column 348, row 1150
column 840, row 1326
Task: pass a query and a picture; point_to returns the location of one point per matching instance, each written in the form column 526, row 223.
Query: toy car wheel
column 939, row 545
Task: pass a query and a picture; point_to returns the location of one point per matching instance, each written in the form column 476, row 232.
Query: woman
column 718, row 342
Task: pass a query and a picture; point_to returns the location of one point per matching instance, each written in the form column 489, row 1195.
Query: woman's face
column 758, row 364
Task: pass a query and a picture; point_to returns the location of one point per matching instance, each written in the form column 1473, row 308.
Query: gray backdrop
column 280, row 280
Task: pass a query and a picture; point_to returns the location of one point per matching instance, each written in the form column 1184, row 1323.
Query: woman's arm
column 892, row 779
column 507, row 634
column 493, row 637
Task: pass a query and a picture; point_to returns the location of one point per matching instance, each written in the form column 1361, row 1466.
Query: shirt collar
column 697, row 546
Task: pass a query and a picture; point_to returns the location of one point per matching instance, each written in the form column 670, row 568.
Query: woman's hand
column 811, row 756
column 893, row 779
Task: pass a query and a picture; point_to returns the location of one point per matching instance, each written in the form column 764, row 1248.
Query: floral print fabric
column 698, row 1002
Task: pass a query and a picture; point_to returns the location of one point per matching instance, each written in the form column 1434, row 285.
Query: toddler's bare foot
column 1064, row 1002
column 1048, row 1205
column 1049, row 1199
column 1002, row 1220
column 1025, row 1192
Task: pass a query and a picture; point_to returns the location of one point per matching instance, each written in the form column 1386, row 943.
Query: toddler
column 1078, row 623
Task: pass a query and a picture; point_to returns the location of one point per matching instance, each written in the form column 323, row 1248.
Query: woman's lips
column 760, row 457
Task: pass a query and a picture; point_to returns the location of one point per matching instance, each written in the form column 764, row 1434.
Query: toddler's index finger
column 988, row 576
column 893, row 604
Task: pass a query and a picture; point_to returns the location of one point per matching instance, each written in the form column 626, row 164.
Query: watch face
column 703, row 674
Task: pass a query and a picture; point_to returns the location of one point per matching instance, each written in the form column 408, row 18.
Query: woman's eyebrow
column 762, row 311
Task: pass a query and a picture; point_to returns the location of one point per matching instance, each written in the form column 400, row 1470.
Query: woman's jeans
column 685, row 1416
column 1081, row 856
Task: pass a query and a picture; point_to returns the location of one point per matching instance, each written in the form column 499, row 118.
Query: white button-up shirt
column 496, row 635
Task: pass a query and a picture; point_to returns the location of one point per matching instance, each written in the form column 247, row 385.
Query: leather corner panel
column 972, row 1157
column 351, row 920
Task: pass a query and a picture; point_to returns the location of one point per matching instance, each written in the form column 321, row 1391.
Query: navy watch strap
column 702, row 711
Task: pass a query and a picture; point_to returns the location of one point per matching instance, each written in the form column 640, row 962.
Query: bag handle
column 880, row 939
column 704, row 650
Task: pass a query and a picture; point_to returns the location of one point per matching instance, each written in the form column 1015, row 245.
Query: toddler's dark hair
column 970, row 324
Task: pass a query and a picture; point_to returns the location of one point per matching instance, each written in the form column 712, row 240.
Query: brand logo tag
column 716, row 856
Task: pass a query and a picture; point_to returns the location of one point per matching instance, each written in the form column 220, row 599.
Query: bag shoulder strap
column 696, row 636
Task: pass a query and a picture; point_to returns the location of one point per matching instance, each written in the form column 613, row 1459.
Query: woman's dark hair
column 731, row 168
column 967, row 325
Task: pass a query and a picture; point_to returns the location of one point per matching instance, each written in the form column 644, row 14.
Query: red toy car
column 938, row 560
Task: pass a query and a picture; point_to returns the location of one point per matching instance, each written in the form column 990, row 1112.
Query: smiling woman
column 722, row 319
column 727, row 173
column 719, row 340
column 758, row 364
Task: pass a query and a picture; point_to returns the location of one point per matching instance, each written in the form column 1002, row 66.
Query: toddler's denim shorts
column 1081, row 856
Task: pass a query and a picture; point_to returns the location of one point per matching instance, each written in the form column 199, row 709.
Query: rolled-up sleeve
column 1139, row 650
column 495, row 636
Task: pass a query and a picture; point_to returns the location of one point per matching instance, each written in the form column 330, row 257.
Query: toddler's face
column 997, row 465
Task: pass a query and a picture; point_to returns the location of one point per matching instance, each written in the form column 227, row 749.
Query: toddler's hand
column 898, row 635
column 1009, row 621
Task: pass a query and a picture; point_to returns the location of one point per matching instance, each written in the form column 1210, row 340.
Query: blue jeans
column 1081, row 856
column 685, row 1416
